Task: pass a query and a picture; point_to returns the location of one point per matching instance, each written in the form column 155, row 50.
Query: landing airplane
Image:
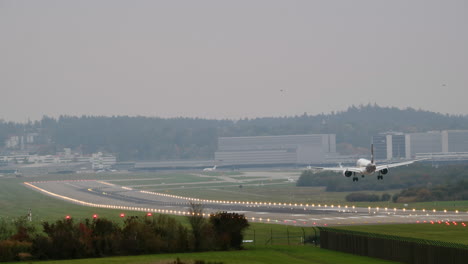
column 210, row 169
column 367, row 167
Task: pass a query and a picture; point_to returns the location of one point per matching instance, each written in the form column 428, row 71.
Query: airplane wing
column 341, row 169
column 398, row 164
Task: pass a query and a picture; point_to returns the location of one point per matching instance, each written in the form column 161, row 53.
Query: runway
column 103, row 194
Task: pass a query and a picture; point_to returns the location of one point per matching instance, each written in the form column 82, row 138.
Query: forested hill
column 144, row 138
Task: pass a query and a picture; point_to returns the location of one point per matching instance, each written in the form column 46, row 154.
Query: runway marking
column 73, row 185
column 106, row 183
column 262, row 213
column 298, row 215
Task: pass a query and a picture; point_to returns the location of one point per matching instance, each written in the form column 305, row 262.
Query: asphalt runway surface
column 107, row 195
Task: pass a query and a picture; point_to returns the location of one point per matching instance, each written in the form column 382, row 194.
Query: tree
column 105, row 237
column 197, row 222
column 228, row 229
column 385, row 197
column 63, row 241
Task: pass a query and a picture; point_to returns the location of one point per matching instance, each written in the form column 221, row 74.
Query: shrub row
column 67, row 239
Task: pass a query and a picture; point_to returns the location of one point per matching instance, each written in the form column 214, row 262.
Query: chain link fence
column 284, row 237
column 401, row 249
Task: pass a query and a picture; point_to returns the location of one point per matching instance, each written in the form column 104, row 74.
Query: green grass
column 220, row 173
column 166, row 179
column 253, row 255
column 440, row 232
column 270, row 191
column 16, row 199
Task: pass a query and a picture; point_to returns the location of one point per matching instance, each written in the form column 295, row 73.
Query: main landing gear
column 355, row 178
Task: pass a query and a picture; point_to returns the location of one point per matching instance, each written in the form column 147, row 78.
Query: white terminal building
column 446, row 144
column 265, row 150
column 102, row 161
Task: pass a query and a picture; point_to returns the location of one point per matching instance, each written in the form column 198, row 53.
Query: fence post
column 271, row 236
column 315, row 237
column 255, row 240
column 303, row 236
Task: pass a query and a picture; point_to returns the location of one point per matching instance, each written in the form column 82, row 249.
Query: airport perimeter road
column 107, row 195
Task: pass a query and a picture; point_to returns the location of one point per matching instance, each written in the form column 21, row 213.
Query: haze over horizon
column 214, row 118
column 214, row 59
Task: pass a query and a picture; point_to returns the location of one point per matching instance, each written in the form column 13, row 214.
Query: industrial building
column 269, row 150
column 391, row 145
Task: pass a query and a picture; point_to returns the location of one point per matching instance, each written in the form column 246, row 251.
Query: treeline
column 145, row 138
column 443, row 192
column 67, row 239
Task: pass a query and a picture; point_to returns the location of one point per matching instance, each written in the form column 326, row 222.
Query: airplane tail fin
column 372, row 153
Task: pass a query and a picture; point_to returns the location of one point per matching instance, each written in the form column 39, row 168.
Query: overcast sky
column 230, row 59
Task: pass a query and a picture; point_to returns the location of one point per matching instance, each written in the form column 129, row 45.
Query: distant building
column 391, row 145
column 101, row 161
column 20, row 141
column 31, row 138
column 12, row 142
column 388, row 146
column 430, row 142
column 455, row 141
column 264, row 150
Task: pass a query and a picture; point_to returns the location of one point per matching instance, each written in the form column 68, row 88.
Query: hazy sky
column 230, row 59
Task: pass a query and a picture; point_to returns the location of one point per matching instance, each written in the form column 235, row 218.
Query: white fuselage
column 366, row 166
column 210, row 169
column 362, row 163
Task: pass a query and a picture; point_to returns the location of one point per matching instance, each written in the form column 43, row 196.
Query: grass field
column 441, row 232
column 16, row 199
column 257, row 255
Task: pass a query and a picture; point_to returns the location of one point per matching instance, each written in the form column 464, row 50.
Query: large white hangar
column 270, row 150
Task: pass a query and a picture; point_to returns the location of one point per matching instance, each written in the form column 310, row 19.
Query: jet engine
column 347, row 173
column 384, row 171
